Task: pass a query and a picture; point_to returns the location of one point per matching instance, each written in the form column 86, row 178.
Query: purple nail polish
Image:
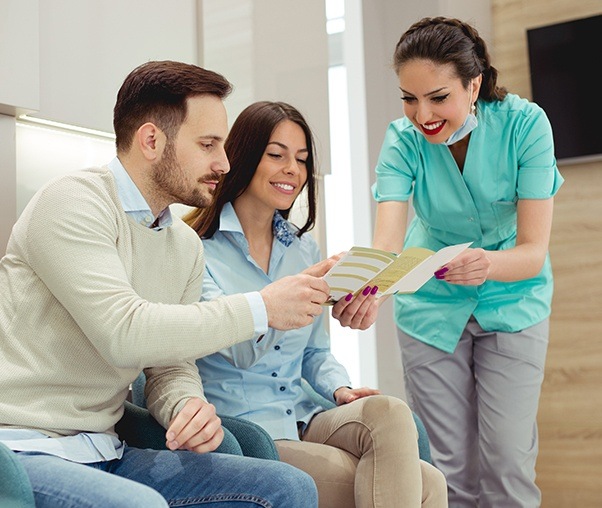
column 441, row 272
column 374, row 290
column 366, row 290
column 349, row 297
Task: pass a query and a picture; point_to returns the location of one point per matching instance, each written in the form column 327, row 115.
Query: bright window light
column 335, row 16
column 344, row 342
column 335, row 9
column 335, row 26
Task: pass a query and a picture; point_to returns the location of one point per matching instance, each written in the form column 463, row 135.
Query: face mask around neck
column 470, row 123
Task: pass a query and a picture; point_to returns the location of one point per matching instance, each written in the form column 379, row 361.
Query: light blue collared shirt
column 261, row 381
column 132, row 200
column 87, row 447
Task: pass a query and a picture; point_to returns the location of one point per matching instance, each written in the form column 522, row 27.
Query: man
column 100, row 281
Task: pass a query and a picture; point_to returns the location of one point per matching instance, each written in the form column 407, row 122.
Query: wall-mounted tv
column 564, row 59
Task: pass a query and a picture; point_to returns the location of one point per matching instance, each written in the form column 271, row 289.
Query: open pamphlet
column 393, row 273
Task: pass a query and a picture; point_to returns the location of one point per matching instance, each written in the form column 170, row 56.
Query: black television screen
column 564, row 61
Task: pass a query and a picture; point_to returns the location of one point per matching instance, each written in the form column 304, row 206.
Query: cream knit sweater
column 89, row 298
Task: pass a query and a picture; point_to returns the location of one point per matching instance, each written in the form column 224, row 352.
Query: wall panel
column 569, row 467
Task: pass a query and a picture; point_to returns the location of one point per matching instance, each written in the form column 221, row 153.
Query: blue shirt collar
column 284, row 232
column 132, row 200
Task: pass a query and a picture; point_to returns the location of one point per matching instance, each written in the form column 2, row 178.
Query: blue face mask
column 470, row 123
column 465, row 129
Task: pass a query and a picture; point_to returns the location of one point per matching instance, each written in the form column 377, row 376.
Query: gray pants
column 479, row 406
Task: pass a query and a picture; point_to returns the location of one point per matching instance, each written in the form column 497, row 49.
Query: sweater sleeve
column 73, row 251
column 168, row 388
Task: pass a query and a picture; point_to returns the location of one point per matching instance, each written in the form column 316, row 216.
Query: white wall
column 19, row 93
column 19, row 56
column 88, row 47
column 8, row 199
column 272, row 50
column 64, row 60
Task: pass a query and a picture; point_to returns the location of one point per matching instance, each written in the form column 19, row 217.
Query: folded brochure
column 392, row 273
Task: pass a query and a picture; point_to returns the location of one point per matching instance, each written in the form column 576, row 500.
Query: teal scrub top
column 510, row 157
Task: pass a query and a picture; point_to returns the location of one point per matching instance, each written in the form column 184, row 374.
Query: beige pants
column 365, row 454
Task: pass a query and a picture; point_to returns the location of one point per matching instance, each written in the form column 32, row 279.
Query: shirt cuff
column 260, row 315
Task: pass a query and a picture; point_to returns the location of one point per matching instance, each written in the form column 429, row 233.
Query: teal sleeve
column 396, row 165
column 538, row 175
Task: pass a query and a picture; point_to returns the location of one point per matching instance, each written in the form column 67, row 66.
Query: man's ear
column 150, row 141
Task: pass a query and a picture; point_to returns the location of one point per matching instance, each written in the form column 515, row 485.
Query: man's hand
column 345, row 395
column 293, row 302
column 359, row 312
column 196, row 428
column 321, row 267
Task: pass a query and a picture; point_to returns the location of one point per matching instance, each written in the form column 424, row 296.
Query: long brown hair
column 245, row 146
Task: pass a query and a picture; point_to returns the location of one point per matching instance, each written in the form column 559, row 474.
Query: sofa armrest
column 15, row 489
column 253, row 439
column 139, row 429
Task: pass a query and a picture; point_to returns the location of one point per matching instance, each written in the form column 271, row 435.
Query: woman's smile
column 286, row 188
column 433, row 128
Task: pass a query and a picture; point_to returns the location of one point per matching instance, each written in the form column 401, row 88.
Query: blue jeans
column 160, row 478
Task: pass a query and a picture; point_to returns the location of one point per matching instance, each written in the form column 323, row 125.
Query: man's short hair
column 157, row 92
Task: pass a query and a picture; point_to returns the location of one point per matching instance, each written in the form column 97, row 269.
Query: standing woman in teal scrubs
column 479, row 163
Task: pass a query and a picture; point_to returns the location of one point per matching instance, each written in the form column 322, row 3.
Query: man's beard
column 171, row 182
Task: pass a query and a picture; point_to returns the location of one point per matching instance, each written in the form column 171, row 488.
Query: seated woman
column 362, row 453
